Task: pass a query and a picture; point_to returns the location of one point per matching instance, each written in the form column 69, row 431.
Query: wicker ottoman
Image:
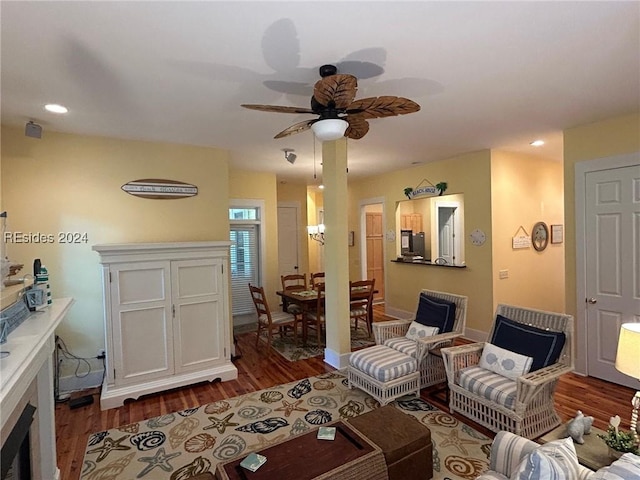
column 404, row 441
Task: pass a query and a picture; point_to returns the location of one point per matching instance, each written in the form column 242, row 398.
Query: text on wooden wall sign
column 158, row 189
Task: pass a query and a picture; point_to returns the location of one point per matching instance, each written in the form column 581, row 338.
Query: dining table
column 307, row 300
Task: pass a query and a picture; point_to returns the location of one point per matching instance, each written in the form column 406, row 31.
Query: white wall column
column 336, row 250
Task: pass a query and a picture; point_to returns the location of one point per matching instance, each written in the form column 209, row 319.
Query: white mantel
column 26, row 375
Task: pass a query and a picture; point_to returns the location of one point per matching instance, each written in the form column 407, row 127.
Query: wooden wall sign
column 160, row 189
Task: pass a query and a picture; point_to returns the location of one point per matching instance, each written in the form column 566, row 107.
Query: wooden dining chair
column 292, row 283
column 315, row 318
column 278, row 321
column 295, row 281
column 315, row 278
column 360, row 309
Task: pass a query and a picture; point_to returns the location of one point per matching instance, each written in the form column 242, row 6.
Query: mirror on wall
column 430, row 230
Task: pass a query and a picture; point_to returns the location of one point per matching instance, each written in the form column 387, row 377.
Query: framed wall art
column 557, row 234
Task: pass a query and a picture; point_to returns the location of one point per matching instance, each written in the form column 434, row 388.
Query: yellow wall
column 526, row 190
column 297, row 192
column 469, row 174
column 72, row 183
column 314, row 202
column 245, row 184
column 615, row 136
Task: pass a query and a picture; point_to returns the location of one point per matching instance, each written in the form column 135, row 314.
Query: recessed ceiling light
column 55, row 108
column 321, row 187
column 537, row 143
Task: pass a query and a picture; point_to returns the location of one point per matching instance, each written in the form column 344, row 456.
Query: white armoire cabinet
column 167, row 320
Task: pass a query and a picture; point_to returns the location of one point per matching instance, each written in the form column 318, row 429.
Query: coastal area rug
column 286, row 346
column 183, row 444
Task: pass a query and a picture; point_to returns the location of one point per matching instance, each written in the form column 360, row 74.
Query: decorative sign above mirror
column 428, row 190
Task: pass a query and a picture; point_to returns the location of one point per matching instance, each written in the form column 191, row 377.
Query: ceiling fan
column 339, row 113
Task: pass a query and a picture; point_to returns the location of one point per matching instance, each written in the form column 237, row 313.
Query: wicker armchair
column 533, row 411
column 432, row 369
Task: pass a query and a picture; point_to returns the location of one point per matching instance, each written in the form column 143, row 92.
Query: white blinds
column 244, row 266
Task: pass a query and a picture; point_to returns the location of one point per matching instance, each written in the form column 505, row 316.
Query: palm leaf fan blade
column 277, row 108
column 339, row 89
column 358, row 127
column 296, row 128
column 386, row 106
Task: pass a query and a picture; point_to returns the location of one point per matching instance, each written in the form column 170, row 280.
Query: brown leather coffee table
column 304, row 457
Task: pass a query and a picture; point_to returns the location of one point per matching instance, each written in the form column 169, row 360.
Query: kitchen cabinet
column 167, row 320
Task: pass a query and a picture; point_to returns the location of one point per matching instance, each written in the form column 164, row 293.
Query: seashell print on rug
column 182, row 444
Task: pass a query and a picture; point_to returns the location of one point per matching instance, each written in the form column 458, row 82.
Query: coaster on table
column 327, row 433
column 253, row 461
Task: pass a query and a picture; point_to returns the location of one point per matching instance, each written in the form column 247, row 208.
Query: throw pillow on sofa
column 504, row 362
column 555, row 460
column 627, row 467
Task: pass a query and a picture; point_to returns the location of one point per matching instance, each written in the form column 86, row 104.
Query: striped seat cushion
column 383, row 363
column 489, row 385
column 403, row 344
column 278, row 317
column 314, row 316
column 294, row 309
column 358, row 312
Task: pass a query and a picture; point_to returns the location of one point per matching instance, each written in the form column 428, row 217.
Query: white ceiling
column 487, row 74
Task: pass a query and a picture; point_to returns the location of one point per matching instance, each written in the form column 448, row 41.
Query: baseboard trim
column 72, row 383
column 475, row 335
column 398, row 313
column 335, row 359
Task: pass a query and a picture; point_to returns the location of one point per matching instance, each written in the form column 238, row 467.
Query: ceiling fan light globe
column 329, row 129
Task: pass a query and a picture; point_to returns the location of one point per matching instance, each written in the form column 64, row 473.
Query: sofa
column 516, row 458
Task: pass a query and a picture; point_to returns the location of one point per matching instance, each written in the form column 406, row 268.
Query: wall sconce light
column 329, row 129
column 316, row 232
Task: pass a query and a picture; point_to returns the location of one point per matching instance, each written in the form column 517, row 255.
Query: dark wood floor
column 257, row 371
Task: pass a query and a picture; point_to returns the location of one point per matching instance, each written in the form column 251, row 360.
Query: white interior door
column 445, row 233
column 612, row 271
column 288, row 239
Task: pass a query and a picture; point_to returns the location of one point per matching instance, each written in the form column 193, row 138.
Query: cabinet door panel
column 142, row 333
column 141, row 286
column 199, row 334
column 144, row 343
column 199, row 296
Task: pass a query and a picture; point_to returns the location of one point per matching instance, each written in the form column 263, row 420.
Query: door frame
column 434, row 231
column 298, row 208
column 363, row 234
column 581, row 171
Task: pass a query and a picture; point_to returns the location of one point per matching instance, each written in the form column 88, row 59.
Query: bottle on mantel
column 42, row 279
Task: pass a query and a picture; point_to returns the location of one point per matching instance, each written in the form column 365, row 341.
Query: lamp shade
column 329, row 129
column 628, row 356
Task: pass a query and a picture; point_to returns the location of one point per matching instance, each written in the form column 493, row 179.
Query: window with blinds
column 245, row 257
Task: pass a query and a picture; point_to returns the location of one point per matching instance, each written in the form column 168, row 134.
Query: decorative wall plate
column 477, row 237
column 540, row 236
